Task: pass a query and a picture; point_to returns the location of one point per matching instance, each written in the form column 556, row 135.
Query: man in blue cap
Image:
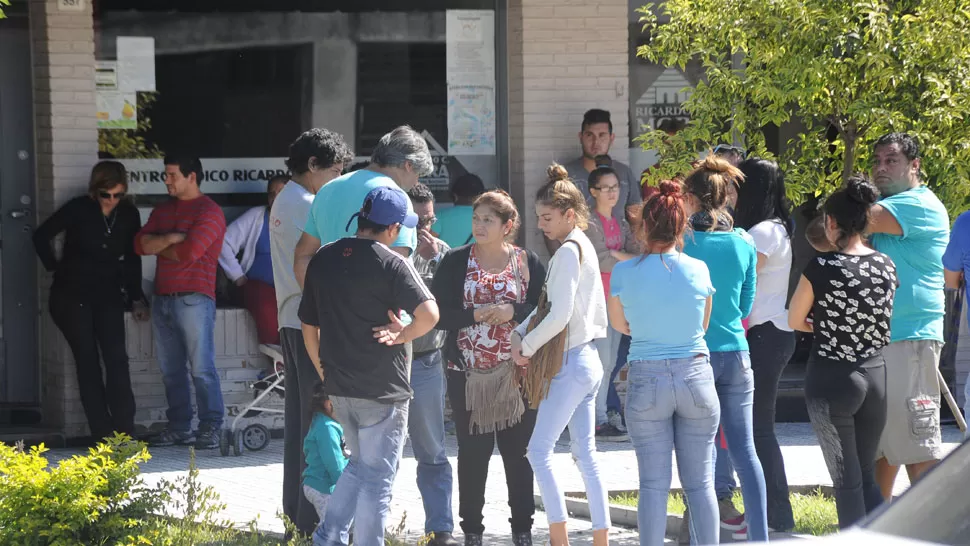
column 355, row 290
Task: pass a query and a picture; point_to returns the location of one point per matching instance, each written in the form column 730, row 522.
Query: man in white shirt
column 316, row 157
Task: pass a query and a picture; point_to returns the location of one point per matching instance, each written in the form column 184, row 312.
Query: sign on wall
column 470, row 42
column 223, row 175
column 663, row 100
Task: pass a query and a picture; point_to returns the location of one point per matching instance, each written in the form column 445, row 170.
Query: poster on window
column 136, row 63
column 117, row 110
column 470, row 44
column 471, row 120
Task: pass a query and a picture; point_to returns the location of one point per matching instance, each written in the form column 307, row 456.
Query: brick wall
column 67, row 146
column 565, row 57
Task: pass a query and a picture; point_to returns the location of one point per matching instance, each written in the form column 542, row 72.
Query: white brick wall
column 66, row 149
column 565, row 57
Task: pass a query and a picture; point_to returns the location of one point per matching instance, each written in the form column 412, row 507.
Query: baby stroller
column 255, row 436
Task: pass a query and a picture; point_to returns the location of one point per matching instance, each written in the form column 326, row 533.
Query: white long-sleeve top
column 242, row 234
column 575, row 290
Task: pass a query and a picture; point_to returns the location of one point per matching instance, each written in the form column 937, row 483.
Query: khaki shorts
column 912, row 433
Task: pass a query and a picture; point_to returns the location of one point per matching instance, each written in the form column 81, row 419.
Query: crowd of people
column 384, row 310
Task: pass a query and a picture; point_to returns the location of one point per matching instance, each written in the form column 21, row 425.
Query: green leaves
column 3, row 3
column 847, row 70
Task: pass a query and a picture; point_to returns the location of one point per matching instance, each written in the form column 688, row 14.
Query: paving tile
column 251, row 485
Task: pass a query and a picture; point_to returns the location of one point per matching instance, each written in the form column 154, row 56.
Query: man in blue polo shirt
column 911, row 226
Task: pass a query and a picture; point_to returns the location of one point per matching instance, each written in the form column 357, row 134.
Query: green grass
column 814, row 513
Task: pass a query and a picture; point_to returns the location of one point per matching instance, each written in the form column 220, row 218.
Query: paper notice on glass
column 117, row 110
column 470, row 44
column 106, row 75
column 136, row 63
column 471, row 120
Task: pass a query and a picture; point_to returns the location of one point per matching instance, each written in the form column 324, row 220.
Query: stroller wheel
column 225, row 439
column 237, row 443
column 255, row 437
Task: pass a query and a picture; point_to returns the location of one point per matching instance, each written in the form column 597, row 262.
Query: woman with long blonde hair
column 577, row 306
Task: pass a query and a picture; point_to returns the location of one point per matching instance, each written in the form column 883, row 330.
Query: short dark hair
column 278, row 179
column 907, row 144
column 187, row 165
column 596, row 115
column 468, row 186
column 421, row 194
column 327, row 146
column 850, row 207
column 106, row 175
column 364, row 224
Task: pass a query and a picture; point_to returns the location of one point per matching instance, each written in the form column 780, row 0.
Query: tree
column 850, row 70
column 3, row 3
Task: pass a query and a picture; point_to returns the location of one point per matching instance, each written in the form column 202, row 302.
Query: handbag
column 493, row 397
column 546, row 362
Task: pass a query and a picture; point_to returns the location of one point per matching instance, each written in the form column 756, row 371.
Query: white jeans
column 317, row 499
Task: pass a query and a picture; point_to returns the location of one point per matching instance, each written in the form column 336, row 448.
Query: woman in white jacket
column 575, row 292
column 246, row 259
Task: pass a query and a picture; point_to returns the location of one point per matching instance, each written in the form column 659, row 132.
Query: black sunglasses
column 106, row 195
column 723, row 149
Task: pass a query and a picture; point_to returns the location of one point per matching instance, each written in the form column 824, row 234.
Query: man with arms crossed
column 596, row 138
column 186, row 234
column 316, row 157
column 910, row 225
column 353, row 286
column 400, row 158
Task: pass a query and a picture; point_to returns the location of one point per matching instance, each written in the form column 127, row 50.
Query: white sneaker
column 615, row 419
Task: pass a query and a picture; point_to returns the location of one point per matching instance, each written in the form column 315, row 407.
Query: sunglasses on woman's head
column 106, row 195
column 723, row 149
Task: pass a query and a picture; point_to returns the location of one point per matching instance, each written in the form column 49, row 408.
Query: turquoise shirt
column 663, row 297
column 454, row 225
column 324, row 454
column 918, row 307
column 337, row 201
column 732, row 260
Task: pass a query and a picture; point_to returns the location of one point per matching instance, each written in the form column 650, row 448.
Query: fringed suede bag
column 546, row 362
column 493, row 397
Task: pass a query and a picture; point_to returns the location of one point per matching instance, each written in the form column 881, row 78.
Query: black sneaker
column 170, row 437
column 442, row 538
column 473, row 539
column 608, row 433
column 521, row 539
column 207, row 438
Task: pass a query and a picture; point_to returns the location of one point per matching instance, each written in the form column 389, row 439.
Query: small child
column 323, row 448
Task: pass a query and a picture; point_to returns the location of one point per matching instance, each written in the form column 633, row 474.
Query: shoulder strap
column 578, row 247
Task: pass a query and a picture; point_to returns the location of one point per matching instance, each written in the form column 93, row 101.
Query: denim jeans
column 672, row 405
column 622, row 353
column 734, row 381
column 724, row 482
column 571, row 401
column 375, row 433
column 608, row 347
column 426, row 428
column 184, row 327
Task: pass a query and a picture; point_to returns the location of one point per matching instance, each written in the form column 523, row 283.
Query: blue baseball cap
column 386, row 206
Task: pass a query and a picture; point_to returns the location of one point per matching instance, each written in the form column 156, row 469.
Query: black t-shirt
column 350, row 286
column 853, row 304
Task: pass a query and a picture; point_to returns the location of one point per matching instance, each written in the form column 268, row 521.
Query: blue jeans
column 571, row 402
column 608, row 348
column 426, row 427
column 671, row 405
column 184, row 327
column 735, row 389
column 612, row 398
column 375, row 433
column 724, row 482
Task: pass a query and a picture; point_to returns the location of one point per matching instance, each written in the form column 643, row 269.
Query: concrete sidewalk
column 251, row 485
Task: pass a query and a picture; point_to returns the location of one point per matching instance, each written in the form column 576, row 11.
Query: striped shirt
column 204, row 226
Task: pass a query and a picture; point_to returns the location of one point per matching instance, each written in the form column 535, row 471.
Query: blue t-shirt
column 340, row 199
column 663, row 297
column 323, row 449
column 957, row 255
column 262, row 268
column 733, row 260
column 454, row 225
column 918, row 307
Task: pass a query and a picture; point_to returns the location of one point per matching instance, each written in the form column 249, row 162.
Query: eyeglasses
column 427, row 221
column 724, row 149
column 106, row 195
column 615, row 188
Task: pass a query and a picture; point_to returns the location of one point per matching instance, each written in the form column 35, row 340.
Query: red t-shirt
column 204, row 226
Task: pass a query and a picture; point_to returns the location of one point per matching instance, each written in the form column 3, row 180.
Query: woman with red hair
column 671, row 400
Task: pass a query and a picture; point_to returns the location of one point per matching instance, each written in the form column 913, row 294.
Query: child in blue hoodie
column 323, row 448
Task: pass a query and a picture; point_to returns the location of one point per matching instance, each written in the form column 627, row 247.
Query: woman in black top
column 850, row 294
column 97, row 275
